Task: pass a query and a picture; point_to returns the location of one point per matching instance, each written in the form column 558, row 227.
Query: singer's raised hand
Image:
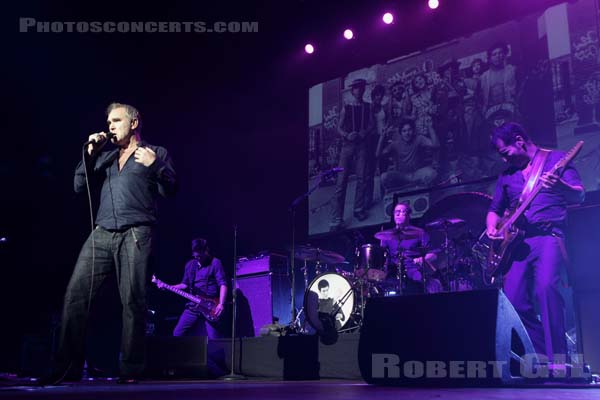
column 96, row 139
column 145, row 156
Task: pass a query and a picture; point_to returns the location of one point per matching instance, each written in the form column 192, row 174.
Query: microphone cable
column 89, row 193
column 91, row 210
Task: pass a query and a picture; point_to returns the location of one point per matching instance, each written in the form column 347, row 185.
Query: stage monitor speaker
column 589, row 323
column 470, row 338
column 176, row 357
column 264, row 297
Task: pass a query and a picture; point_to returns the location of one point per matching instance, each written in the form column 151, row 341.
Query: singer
column 132, row 176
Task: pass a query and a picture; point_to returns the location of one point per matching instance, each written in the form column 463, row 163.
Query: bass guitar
column 494, row 255
column 202, row 304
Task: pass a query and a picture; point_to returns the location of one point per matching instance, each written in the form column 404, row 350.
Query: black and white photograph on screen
column 414, row 127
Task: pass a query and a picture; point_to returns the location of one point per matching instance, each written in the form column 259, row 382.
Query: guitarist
column 204, row 275
column 536, row 261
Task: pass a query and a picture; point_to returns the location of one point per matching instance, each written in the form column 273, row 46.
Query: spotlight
column 433, row 4
column 348, row 34
column 309, row 48
column 388, row 18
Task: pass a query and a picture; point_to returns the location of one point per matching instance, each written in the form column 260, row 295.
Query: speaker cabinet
column 263, row 298
column 470, row 338
column 176, row 357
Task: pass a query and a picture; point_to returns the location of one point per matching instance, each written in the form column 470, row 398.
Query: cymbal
column 399, row 234
column 442, row 224
column 311, row 253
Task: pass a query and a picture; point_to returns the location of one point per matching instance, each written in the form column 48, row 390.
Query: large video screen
column 417, row 127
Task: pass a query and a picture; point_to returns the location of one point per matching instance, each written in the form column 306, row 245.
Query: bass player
column 537, row 259
column 204, row 276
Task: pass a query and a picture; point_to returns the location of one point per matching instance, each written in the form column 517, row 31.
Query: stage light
column 388, row 18
column 348, row 34
column 309, row 48
column 433, row 4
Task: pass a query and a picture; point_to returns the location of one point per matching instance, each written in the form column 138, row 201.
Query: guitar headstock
column 155, row 279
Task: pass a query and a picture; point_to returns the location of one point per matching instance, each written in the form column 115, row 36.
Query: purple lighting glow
column 309, row 48
column 348, row 34
column 388, row 18
column 433, row 4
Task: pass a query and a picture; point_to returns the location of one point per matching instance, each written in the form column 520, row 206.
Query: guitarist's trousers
column 193, row 323
column 535, row 273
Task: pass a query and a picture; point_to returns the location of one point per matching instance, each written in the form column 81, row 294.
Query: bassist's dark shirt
column 204, row 280
column 549, row 206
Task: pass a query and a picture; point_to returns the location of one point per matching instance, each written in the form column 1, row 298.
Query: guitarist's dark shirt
column 549, row 206
column 206, row 280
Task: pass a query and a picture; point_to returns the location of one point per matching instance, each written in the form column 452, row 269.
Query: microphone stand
column 292, row 210
column 232, row 376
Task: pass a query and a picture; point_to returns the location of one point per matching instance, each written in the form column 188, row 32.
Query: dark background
column 230, row 108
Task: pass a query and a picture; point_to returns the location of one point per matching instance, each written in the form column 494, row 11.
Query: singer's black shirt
column 128, row 197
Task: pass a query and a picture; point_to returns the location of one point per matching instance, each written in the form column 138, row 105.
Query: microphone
column 109, row 136
column 332, row 171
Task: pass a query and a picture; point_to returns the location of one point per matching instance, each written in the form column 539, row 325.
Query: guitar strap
column 537, row 166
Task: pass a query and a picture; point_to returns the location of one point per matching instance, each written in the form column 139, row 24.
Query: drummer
column 409, row 238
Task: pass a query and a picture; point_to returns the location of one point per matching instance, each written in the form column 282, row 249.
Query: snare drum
column 331, row 294
column 371, row 263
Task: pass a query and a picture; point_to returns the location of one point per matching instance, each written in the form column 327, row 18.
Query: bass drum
column 329, row 295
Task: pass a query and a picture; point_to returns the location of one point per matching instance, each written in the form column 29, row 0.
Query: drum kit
column 337, row 295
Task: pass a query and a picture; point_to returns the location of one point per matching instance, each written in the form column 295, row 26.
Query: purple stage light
column 388, row 18
column 433, row 4
column 348, row 34
column 309, row 48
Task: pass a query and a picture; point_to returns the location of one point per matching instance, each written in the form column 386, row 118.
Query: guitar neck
column 557, row 168
column 182, row 293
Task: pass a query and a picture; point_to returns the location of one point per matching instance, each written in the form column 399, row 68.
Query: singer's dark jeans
column 125, row 253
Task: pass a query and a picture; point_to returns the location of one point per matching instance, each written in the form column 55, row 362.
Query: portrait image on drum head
column 331, row 294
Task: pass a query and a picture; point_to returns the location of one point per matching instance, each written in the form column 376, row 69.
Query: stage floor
column 297, row 390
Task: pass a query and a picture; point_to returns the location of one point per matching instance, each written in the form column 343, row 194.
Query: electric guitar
column 203, row 304
column 495, row 255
